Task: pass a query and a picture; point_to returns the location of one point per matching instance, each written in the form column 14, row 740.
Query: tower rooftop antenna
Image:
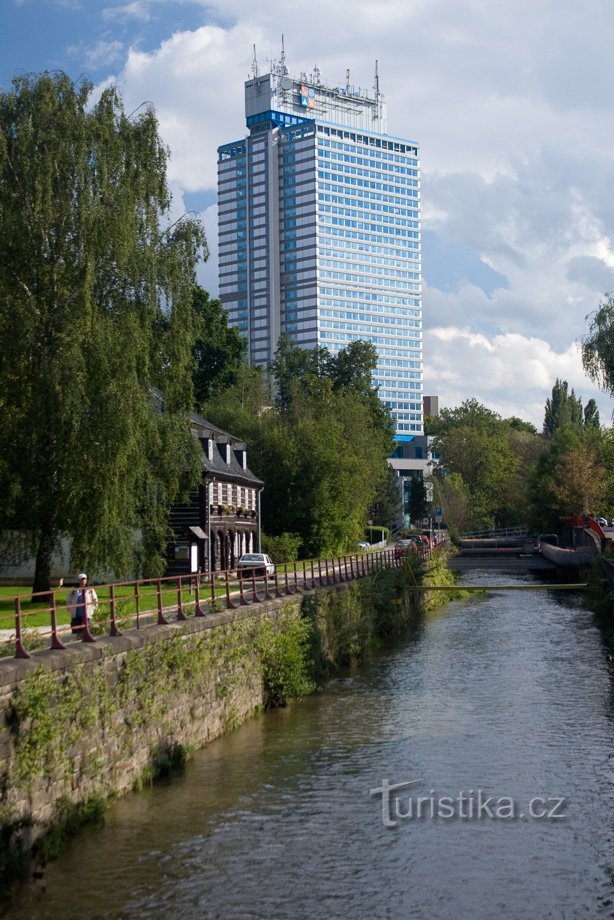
column 254, row 65
column 282, row 62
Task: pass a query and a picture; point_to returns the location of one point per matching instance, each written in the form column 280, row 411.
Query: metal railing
column 159, row 601
column 520, row 531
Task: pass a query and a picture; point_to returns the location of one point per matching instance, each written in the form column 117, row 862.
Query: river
column 500, row 714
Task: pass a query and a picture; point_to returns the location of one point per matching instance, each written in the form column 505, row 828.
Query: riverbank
column 91, row 722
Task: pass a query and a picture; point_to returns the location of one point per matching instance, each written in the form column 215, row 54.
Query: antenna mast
column 254, row 65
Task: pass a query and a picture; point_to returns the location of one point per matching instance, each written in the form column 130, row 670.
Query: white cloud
column 138, row 10
column 102, row 54
column 510, row 373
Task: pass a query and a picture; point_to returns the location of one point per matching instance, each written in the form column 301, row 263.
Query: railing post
column 114, row 631
column 228, row 601
column 55, row 641
column 20, row 651
column 180, row 614
column 212, row 574
column 197, row 611
column 320, row 571
column 137, row 604
column 313, row 576
column 295, row 577
column 161, row 619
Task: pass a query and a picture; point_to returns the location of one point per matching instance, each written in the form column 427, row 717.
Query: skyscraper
column 319, row 230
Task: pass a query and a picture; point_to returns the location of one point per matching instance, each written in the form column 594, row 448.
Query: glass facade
column 319, row 232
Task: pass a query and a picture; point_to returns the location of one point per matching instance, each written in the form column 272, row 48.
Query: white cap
column 82, row 575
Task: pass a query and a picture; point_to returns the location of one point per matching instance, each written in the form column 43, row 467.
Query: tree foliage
column 219, row 350
column 575, row 475
column 321, row 447
column 95, row 310
column 387, row 505
column 598, row 346
column 563, row 409
column 418, row 504
column 474, row 442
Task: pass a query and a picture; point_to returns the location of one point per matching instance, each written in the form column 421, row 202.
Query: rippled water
column 506, row 696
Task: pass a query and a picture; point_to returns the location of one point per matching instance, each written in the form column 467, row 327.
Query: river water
column 500, row 706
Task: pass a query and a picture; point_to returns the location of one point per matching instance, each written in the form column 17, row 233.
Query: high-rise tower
column 319, row 230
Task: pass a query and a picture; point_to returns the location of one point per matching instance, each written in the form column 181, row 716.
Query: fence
column 134, row 604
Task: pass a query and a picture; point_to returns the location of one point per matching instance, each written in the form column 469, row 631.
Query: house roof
column 218, row 467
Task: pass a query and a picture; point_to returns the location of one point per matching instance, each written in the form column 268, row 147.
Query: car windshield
column 251, row 557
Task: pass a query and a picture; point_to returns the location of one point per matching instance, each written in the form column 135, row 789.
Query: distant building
column 221, row 519
column 319, row 230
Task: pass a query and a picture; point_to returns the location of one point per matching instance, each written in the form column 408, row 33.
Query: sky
column 512, row 104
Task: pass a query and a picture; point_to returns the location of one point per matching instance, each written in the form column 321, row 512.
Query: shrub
column 284, row 548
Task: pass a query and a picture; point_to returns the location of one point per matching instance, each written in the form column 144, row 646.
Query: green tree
column 418, row 504
column 473, row 442
column 591, row 415
column 572, row 477
column 293, row 368
column 322, row 458
column 219, row 350
column 387, row 504
column 95, row 311
column 454, row 497
column 563, row 409
column 598, row 346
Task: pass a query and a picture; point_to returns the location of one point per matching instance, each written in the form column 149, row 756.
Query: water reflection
column 508, row 694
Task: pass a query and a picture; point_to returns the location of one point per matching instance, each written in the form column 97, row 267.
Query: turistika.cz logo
column 473, row 805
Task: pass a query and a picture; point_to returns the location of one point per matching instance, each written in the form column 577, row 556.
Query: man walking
column 82, row 602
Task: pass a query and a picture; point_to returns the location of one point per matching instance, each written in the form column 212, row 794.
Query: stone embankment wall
column 94, row 720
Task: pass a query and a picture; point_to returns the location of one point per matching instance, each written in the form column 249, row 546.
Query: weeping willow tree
column 95, row 322
column 598, row 346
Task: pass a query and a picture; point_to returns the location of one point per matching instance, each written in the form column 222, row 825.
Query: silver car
column 258, row 563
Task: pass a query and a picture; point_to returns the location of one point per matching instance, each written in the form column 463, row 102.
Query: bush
column 284, row 548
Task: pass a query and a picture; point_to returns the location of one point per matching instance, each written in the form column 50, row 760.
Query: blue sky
column 512, row 104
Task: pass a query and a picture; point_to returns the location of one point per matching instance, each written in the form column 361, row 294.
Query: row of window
column 349, row 245
column 365, row 161
column 341, row 294
column 368, row 278
column 396, row 228
column 340, row 269
column 329, row 192
column 408, row 186
column 372, row 140
column 369, row 204
column 363, row 317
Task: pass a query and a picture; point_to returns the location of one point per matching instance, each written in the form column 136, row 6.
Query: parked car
column 256, row 563
column 602, row 522
column 402, row 547
column 363, row 545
